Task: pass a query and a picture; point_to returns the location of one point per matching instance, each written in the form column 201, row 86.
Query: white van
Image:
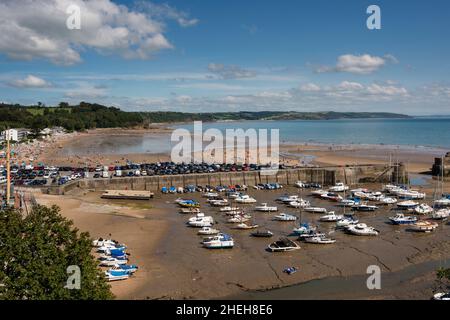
column 118, row 173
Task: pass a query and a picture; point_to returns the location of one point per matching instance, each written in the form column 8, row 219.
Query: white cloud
column 310, row 87
column 230, row 71
column 37, row 29
column 30, row 82
column 85, row 91
column 362, row 64
column 164, row 11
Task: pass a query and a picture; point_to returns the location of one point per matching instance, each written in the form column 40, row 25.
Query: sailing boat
column 445, row 200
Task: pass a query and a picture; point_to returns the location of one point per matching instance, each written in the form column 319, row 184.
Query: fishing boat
column 400, row 218
column 320, row 240
column 344, row 222
column 331, row 217
column 424, row 226
column 283, row 245
column 207, row 231
column 300, row 203
column 303, row 228
column 441, row 214
column 285, row 217
column 262, row 234
column 423, row 208
column 361, row 229
column 315, row 210
column 243, row 226
column 407, row 205
column 364, row 207
column 245, row 199
column 116, row 275
column 189, row 210
column 339, row 187
column 265, row 208
column 220, row 241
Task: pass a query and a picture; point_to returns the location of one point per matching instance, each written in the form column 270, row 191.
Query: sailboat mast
column 8, row 168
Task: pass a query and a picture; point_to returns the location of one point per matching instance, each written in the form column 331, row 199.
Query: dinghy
column 400, row 218
column 361, row 229
column 262, row 234
column 283, row 245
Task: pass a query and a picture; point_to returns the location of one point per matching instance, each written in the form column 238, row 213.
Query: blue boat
column 400, row 218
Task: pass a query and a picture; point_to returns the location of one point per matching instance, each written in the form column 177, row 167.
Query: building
column 442, row 166
column 14, row 134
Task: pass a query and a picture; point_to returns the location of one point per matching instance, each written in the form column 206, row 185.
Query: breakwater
column 324, row 175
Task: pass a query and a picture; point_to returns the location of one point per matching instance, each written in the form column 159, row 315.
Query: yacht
column 339, row 187
column 262, row 234
column 441, row 214
column 364, row 207
column 443, row 202
column 265, row 208
column 303, row 228
column 388, row 200
column 331, row 196
column 331, row 217
column 220, row 241
column 200, row 221
column 361, row 229
column 423, row 208
column 300, row 203
column 320, row 240
column 400, row 218
column 318, row 193
column 315, row 210
column 285, row 217
column 228, row 209
column 346, row 222
column 407, row 205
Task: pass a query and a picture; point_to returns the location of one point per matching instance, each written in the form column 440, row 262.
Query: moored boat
column 331, row 217
column 315, row 210
column 262, row 234
column 361, row 229
column 284, row 217
column 265, row 208
column 441, row 214
column 407, row 205
column 303, row 228
column 207, row 231
column 424, row 226
column 220, row 241
column 423, row 208
column 283, row 245
column 339, row 187
column 400, row 218
column 320, row 240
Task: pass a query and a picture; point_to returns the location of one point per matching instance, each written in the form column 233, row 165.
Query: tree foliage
column 35, row 251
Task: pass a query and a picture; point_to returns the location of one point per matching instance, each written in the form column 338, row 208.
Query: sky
column 210, row 56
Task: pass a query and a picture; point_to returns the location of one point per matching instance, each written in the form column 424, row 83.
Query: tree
column 35, row 252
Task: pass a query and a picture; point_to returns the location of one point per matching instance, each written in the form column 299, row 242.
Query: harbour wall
column 324, row 175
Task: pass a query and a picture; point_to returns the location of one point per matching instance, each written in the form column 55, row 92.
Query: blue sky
column 197, row 55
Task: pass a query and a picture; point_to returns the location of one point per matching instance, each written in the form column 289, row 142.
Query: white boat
column 100, row 242
column 300, row 184
column 283, row 245
column 244, row 226
column 220, row 241
column 245, row 199
column 319, row 240
column 200, row 221
column 445, row 296
column 315, row 209
column 441, row 214
column 208, row 231
column 285, row 217
column 210, row 195
column 106, row 261
column 400, row 218
column 347, row 202
column 219, row 203
column 331, row 196
column 424, row 226
column 300, row 203
column 331, row 217
column 304, row 228
column 423, row 208
column 407, row 205
column 410, row 194
column 364, row 207
column 311, row 234
column 361, row 229
column 189, row 210
column 201, row 215
column 228, row 209
column 388, row 200
column 265, row 208
column 287, row 198
column 443, row 202
column 234, row 213
column 344, row 222
column 115, row 275
column 339, row 187
column 318, row 193
column 238, row 219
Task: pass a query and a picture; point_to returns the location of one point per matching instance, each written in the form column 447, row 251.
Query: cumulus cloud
column 30, row 82
column 37, row 29
column 164, row 11
column 230, row 71
column 358, row 64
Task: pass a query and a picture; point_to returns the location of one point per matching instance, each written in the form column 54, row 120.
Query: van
column 118, row 173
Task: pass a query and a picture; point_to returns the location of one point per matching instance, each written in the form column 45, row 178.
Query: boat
column 210, row 195
column 423, row 208
column 300, row 203
column 331, row 196
column 228, row 209
column 219, row 203
column 344, row 222
column 407, row 205
column 424, row 226
column 443, row 202
column 364, row 207
column 388, row 200
column 348, row 202
column 284, row 217
column 400, row 218
column 442, row 296
column 244, row 226
column 339, row 187
column 207, row 231
column 127, row 268
column 318, row 193
column 315, row 209
column 290, row 270
column 361, row 229
column 441, row 214
column 265, row 208
column 116, row 275
column 188, row 204
column 189, row 210
column 220, row 241
column 283, row 245
column 245, row 199
column 262, row 234
column 311, row 233
column 100, row 242
column 106, row 261
column 410, row 195
column 319, row 240
column 304, row 228
column 287, row 198
column 300, row 184
column 200, row 221
column 331, row 217
column 238, row 219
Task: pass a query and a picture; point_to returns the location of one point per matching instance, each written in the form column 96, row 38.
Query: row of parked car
column 207, row 188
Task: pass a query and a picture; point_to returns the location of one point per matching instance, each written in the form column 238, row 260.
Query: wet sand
column 174, row 265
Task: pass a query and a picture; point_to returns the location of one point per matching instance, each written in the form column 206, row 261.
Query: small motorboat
column 315, row 210
column 287, row 198
column 331, row 217
column 238, row 219
column 303, row 228
column 410, row 195
column 407, row 205
column 441, row 214
column 189, row 210
column 423, row 208
column 300, row 184
column 361, row 229
column 318, row 193
column 290, row 270
column 115, row 275
column 331, row 196
column 319, row 240
column 200, row 221
column 364, row 207
column 283, row 245
column 400, row 218
column 442, row 296
column 344, row 222
column 219, row 203
column 243, row 226
column 388, row 200
column 424, row 226
column 207, row 231
column 188, row 204
column 245, row 199
column 220, row 241
column 443, row 202
column 110, row 261
column 126, row 268
column 210, row 195
column 262, row 234
column 348, row 202
column 285, row 217
column 339, row 187
column 228, row 209
column 100, row 242
column 300, row 203
column 310, row 234
column 265, row 208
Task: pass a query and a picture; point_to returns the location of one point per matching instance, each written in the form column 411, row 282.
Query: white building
column 10, row 134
